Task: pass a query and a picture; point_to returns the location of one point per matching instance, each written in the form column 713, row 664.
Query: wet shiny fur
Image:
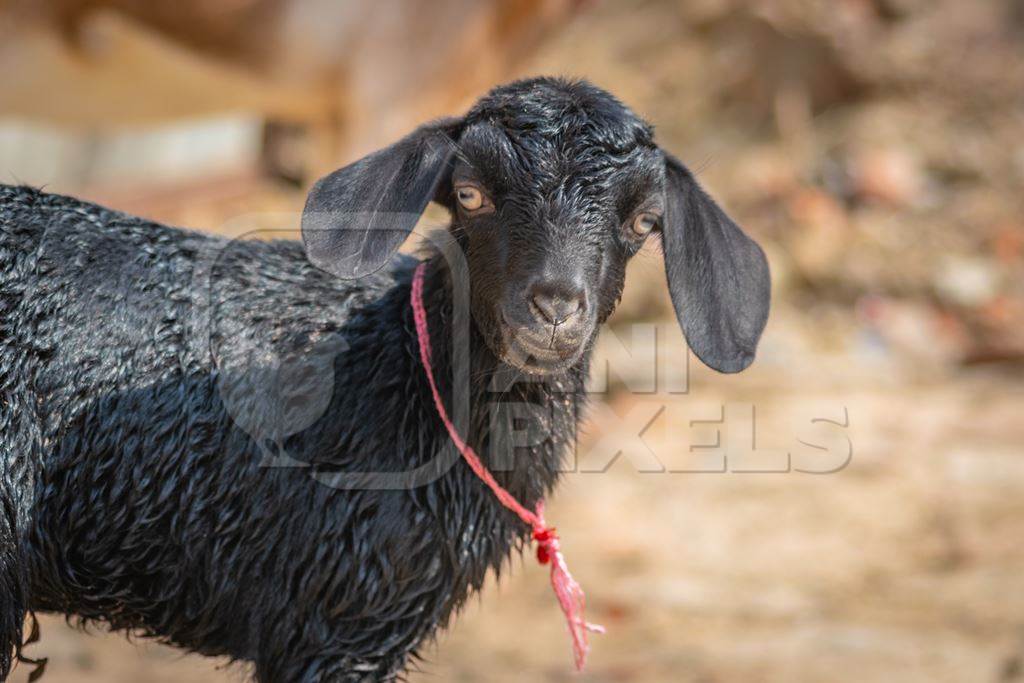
column 139, row 501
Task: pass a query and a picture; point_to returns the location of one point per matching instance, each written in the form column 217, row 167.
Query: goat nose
column 556, row 302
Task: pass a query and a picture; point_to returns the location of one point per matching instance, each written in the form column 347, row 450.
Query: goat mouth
column 538, row 351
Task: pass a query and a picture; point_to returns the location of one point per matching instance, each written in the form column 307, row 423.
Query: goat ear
column 717, row 276
column 356, row 217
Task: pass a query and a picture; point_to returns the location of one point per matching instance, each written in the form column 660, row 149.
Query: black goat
column 148, row 375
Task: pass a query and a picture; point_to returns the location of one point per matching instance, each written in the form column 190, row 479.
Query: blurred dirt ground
column 876, row 149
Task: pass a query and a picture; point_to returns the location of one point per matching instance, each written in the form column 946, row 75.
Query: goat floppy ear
column 717, row 276
column 356, row 217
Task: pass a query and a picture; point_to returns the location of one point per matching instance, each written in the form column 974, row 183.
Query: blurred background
column 874, row 147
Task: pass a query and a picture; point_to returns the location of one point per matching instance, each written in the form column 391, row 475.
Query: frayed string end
column 569, row 593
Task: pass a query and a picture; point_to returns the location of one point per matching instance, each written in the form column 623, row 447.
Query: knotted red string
column 570, row 595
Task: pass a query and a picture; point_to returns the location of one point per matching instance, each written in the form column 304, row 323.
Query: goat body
column 133, row 450
column 193, row 431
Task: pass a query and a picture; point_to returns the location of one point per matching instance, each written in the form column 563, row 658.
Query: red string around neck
column 570, row 595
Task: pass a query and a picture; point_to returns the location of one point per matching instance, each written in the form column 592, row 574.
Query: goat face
column 552, row 185
column 553, row 189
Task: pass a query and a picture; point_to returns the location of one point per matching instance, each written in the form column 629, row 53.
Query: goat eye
column 470, row 197
column 644, row 223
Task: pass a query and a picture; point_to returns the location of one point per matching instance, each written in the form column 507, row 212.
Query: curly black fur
column 148, row 376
